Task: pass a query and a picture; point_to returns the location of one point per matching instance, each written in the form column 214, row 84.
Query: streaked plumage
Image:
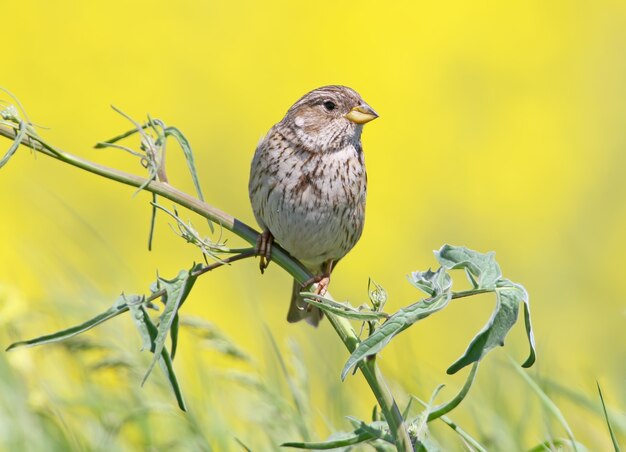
column 308, row 182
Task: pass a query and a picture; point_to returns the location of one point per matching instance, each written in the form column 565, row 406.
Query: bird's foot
column 322, row 286
column 264, row 249
column 322, row 280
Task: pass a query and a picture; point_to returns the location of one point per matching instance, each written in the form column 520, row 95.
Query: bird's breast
column 315, row 202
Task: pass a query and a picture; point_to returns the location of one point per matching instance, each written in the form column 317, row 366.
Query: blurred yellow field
column 502, row 127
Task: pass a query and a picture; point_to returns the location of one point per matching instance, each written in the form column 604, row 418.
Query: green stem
column 344, row 329
column 469, row 293
column 376, row 382
column 441, row 410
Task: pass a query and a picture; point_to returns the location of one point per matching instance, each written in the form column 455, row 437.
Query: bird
column 308, row 186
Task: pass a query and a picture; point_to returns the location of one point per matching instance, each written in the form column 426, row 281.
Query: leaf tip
column 459, row 364
column 145, row 377
column 529, row 362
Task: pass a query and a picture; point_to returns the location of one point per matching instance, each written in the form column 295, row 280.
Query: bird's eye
column 329, row 105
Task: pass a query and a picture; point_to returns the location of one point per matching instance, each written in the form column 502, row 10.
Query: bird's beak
column 361, row 114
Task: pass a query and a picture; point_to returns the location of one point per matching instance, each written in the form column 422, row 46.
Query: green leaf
column 118, row 308
column 485, row 274
column 177, row 291
column 334, row 442
column 405, row 413
column 454, row 426
column 404, row 318
column 174, row 335
column 148, row 329
column 149, row 332
column 104, row 144
column 618, row 419
column 378, row 429
column 528, row 326
column 420, row 425
column 186, row 147
column 363, row 432
column 153, row 214
column 430, row 282
column 608, row 421
column 547, row 403
column 483, row 271
column 341, row 309
column 493, row 333
column 134, row 303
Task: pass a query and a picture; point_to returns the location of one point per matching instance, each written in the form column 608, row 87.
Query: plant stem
column 376, row 382
column 344, row 329
column 244, row 254
column 469, row 293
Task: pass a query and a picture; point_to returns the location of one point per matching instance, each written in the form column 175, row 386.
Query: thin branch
column 251, row 252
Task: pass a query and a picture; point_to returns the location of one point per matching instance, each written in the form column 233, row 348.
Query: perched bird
column 308, row 185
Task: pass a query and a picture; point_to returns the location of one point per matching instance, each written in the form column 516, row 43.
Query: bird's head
column 328, row 118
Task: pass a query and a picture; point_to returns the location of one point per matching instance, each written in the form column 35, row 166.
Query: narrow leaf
column 242, row 444
column 16, row 144
column 152, row 221
column 164, row 359
column 186, row 147
column 177, row 291
column 618, row 418
column 298, row 397
column 546, row 402
column 174, row 335
column 462, row 433
column 608, row 421
column 529, row 329
column 134, row 304
column 341, row 309
column 405, row 413
column 349, row 439
column 421, row 425
column 118, row 307
column 104, row 144
column 378, row 429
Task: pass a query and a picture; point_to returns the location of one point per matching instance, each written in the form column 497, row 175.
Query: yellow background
column 502, row 127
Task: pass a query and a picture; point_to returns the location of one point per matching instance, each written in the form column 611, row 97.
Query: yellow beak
column 361, row 114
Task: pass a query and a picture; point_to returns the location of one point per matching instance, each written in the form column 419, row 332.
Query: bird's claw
column 322, row 286
column 264, row 249
column 322, row 280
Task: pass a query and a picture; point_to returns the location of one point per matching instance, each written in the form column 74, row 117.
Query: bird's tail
column 299, row 309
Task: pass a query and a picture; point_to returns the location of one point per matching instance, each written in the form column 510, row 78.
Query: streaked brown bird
column 308, row 185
